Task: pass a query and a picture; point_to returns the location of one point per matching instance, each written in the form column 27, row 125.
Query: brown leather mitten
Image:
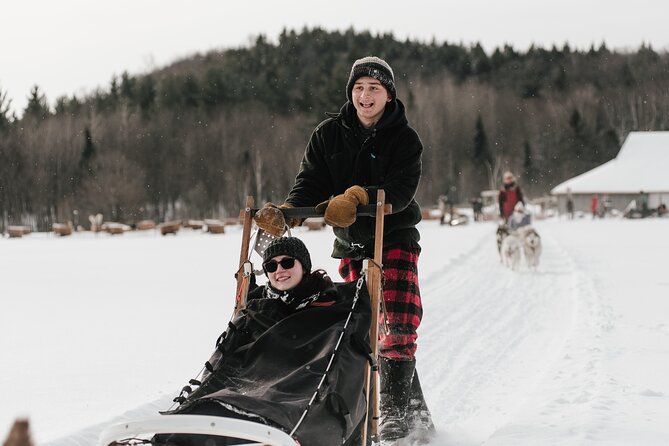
column 341, row 209
column 292, row 221
column 322, row 206
column 270, row 218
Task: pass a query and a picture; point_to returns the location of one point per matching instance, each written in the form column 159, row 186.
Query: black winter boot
column 395, row 389
column 419, row 416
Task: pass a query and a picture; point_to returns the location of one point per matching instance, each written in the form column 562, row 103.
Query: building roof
column 641, row 164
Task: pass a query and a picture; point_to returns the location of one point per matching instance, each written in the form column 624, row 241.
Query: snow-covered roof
column 641, row 164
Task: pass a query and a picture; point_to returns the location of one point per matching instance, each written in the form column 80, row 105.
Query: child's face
column 369, row 98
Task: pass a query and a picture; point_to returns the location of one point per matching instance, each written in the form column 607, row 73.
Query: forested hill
column 194, row 138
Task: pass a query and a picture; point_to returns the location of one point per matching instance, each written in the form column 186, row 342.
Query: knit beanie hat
column 288, row 246
column 375, row 67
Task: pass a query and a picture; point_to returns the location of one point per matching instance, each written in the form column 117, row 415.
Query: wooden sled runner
column 276, row 432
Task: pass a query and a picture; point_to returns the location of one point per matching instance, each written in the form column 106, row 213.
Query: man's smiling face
column 369, row 98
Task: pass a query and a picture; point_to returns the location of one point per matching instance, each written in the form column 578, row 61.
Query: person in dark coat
column 570, row 208
column 643, row 202
column 256, row 373
column 570, row 205
column 509, row 195
column 369, row 145
column 477, row 207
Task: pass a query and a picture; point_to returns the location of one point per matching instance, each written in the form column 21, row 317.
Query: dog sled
column 304, row 378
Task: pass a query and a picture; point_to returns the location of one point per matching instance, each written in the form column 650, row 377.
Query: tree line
column 193, row 139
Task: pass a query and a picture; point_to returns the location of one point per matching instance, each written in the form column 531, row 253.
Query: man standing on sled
column 366, row 146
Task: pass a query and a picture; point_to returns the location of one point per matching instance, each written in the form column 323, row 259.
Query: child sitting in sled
column 520, row 217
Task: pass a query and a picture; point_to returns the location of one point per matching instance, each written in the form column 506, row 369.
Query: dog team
column 516, row 238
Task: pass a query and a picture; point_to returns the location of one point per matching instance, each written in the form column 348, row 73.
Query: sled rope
column 358, row 286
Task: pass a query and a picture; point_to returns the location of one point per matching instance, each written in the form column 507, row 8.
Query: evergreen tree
column 561, row 82
column 481, row 152
column 190, row 91
column 37, row 107
column 109, row 102
column 146, row 93
column 127, row 87
column 627, row 76
column 87, row 153
column 497, row 60
column 114, row 89
column 483, row 161
column 61, row 106
column 6, row 117
column 214, row 91
column 578, row 136
column 529, row 171
column 481, row 64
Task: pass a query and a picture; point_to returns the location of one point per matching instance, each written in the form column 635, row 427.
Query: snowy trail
column 492, row 337
column 563, row 407
column 574, row 353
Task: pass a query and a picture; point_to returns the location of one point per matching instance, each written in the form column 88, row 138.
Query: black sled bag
column 270, row 363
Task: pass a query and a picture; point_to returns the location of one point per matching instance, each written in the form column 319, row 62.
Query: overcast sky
column 74, row 46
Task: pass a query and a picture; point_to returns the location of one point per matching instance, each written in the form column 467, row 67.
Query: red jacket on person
column 508, row 199
column 594, row 204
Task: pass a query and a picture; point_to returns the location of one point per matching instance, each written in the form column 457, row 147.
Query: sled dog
column 531, row 242
column 502, row 232
column 510, row 251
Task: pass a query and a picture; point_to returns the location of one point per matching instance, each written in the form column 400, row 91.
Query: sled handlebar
column 365, row 210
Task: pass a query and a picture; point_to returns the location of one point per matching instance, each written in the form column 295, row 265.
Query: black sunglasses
column 271, row 265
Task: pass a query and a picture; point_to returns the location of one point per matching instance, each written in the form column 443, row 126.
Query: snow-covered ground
column 95, row 329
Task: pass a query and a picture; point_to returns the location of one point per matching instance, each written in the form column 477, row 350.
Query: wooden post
column 246, row 215
column 374, row 275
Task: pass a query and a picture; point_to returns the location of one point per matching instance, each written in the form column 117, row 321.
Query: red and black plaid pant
column 402, row 298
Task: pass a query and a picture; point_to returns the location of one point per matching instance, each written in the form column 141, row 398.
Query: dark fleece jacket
column 341, row 154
